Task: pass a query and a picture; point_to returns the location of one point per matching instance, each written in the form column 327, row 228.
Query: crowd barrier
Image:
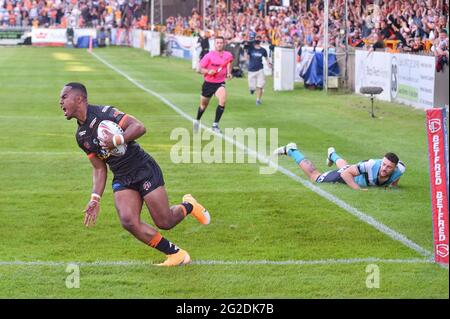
column 405, row 78
column 149, row 41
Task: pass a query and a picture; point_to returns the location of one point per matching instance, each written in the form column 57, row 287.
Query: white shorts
column 256, row 79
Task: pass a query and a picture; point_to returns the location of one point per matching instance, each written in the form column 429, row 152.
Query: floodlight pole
column 346, row 43
column 161, row 11
column 325, row 48
column 203, row 13
column 152, row 17
column 215, row 14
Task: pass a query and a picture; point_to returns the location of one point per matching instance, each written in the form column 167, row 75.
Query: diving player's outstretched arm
column 99, row 175
column 395, row 183
column 348, row 176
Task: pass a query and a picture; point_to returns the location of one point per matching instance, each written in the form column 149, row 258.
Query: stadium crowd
column 397, row 25
column 73, row 13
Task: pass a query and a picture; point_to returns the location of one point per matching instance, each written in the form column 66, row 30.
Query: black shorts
column 209, row 88
column 332, row 176
column 144, row 180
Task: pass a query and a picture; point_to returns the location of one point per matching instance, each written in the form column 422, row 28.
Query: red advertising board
column 438, row 155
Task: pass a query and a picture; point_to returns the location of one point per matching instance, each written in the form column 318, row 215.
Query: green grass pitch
column 45, row 182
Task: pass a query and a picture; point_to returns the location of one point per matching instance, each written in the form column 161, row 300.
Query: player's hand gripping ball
column 113, row 129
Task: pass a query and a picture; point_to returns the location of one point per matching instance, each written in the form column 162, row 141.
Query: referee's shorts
column 210, row 88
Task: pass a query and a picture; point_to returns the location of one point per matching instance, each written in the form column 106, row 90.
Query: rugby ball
column 114, row 129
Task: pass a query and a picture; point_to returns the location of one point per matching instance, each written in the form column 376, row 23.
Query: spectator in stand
column 295, row 25
column 415, row 45
column 440, row 46
column 203, row 41
column 77, row 13
column 377, row 42
column 355, row 39
column 440, row 49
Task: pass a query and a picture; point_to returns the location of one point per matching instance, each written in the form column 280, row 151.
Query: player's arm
column 132, row 130
column 99, row 175
column 395, row 183
column 348, row 176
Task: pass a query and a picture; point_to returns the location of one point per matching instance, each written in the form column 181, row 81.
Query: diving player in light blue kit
column 373, row 172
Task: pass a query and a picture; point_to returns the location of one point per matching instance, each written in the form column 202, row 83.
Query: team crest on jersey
column 103, row 154
column 87, row 145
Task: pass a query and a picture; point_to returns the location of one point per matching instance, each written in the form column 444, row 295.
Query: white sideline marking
column 350, row 209
column 28, row 117
column 49, row 153
column 223, row 262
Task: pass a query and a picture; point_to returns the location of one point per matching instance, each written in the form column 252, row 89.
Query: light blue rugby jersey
column 369, row 173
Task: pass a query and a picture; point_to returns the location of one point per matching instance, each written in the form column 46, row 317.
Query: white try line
column 136, row 263
column 350, row 209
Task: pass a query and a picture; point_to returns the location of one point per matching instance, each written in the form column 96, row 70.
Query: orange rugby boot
column 178, row 259
column 198, row 211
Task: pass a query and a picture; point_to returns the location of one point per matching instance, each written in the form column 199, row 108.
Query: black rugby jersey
column 134, row 158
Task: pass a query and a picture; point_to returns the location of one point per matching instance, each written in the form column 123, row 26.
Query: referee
column 216, row 67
